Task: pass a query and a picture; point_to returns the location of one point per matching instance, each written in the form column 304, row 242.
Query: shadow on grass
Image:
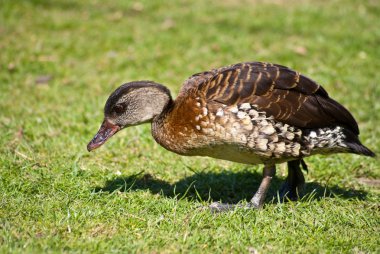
column 229, row 187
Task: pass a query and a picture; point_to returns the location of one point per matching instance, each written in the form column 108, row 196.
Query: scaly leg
column 295, row 181
column 258, row 199
column 269, row 172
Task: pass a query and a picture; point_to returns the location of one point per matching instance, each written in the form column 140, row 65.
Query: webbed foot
column 218, row 207
column 258, row 199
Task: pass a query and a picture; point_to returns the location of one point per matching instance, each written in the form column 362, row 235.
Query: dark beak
column 106, row 131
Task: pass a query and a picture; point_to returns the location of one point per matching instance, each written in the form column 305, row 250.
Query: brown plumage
column 250, row 113
column 279, row 91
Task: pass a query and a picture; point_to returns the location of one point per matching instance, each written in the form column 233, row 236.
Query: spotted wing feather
column 277, row 90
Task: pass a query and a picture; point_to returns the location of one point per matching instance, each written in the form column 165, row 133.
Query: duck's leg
column 295, row 181
column 258, row 199
column 269, row 172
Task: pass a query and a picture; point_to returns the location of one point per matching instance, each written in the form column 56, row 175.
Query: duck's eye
column 119, row 108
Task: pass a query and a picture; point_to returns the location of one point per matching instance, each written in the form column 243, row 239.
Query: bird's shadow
column 227, row 187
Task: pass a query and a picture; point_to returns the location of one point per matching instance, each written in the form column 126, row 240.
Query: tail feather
column 353, row 143
column 358, row 148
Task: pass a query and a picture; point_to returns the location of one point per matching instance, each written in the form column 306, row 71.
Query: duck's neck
column 163, row 127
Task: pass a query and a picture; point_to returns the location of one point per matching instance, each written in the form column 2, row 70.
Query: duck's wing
column 279, row 91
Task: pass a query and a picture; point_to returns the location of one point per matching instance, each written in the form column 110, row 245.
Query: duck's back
column 285, row 94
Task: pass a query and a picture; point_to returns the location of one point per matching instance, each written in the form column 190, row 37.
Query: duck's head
column 131, row 104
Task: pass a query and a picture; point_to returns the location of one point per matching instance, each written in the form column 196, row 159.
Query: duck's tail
column 355, row 146
column 336, row 139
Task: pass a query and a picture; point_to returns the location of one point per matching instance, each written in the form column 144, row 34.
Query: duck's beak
column 106, row 131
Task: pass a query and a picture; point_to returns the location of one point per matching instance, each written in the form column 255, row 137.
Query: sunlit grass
column 60, row 60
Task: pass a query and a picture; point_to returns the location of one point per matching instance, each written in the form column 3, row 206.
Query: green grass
column 132, row 195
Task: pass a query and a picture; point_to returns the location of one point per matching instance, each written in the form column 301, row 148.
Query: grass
column 60, row 60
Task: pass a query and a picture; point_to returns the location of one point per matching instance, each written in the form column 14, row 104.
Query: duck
column 251, row 113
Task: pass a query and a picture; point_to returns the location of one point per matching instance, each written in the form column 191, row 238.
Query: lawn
column 59, row 61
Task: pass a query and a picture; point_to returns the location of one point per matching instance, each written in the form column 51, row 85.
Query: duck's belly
column 231, row 152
